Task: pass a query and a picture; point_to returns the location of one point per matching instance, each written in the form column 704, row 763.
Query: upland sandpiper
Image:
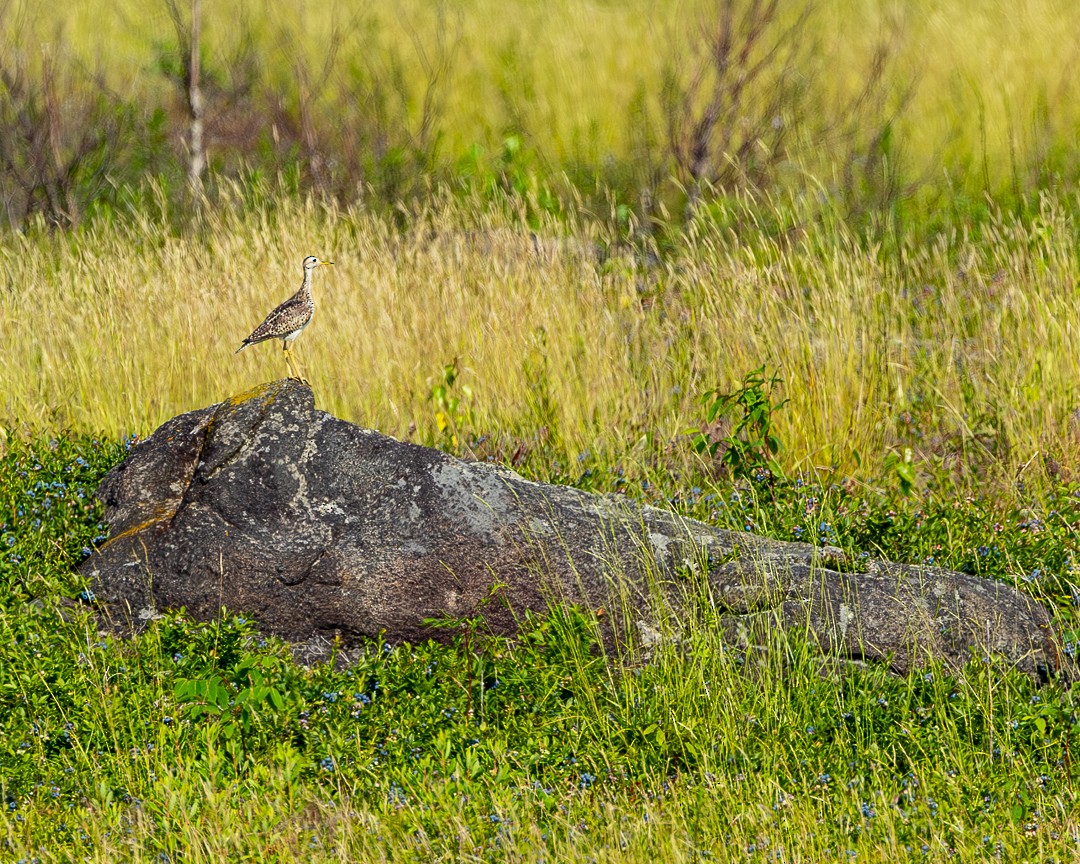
column 289, row 319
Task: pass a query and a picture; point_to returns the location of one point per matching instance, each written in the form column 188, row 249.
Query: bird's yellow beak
column 331, row 263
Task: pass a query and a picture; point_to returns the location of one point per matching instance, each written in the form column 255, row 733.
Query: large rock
column 316, row 528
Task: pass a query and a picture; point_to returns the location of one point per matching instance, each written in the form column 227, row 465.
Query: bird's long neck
column 305, row 287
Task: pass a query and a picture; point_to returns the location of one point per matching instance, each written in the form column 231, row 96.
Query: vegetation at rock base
column 803, row 270
column 204, row 741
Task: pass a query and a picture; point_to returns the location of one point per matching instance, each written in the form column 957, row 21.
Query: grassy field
column 962, row 351
column 996, row 81
column 205, row 742
column 974, row 99
column 919, row 369
column 929, row 418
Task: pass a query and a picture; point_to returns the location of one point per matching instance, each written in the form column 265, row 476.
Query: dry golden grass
column 119, row 327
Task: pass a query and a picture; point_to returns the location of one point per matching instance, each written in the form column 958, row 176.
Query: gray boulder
column 320, row 530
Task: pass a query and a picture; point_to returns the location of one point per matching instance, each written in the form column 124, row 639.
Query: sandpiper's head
column 311, row 262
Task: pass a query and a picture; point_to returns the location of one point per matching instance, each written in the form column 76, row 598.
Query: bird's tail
column 243, row 345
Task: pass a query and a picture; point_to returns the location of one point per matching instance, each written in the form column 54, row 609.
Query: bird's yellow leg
column 288, row 357
column 293, row 368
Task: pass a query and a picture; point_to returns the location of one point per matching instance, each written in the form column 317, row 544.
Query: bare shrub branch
column 189, row 41
column 437, row 64
column 728, row 121
column 755, row 98
column 862, row 134
column 60, row 132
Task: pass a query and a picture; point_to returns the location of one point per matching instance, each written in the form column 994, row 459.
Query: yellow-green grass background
column 119, row 326
column 997, row 80
column 126, row 325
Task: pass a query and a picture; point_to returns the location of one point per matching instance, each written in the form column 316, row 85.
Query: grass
column 205, row 742
column 999, row 82
column 358, row 102
column 961, row 351
column 924, row 402
column 994, row 109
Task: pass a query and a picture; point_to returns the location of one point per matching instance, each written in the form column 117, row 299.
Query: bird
column 289, row 319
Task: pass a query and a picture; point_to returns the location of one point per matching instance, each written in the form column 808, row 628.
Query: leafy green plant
column 901, row 468
column 749, row 446
column 453, row 413
column 243, row 701
column 49, row 517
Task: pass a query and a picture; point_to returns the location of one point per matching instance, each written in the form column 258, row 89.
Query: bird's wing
column 271, row 327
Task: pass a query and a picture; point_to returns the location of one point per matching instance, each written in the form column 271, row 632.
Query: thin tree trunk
column 197, row 154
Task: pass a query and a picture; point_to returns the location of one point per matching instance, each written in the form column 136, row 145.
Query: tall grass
column 962, row 350
column 994, row 108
